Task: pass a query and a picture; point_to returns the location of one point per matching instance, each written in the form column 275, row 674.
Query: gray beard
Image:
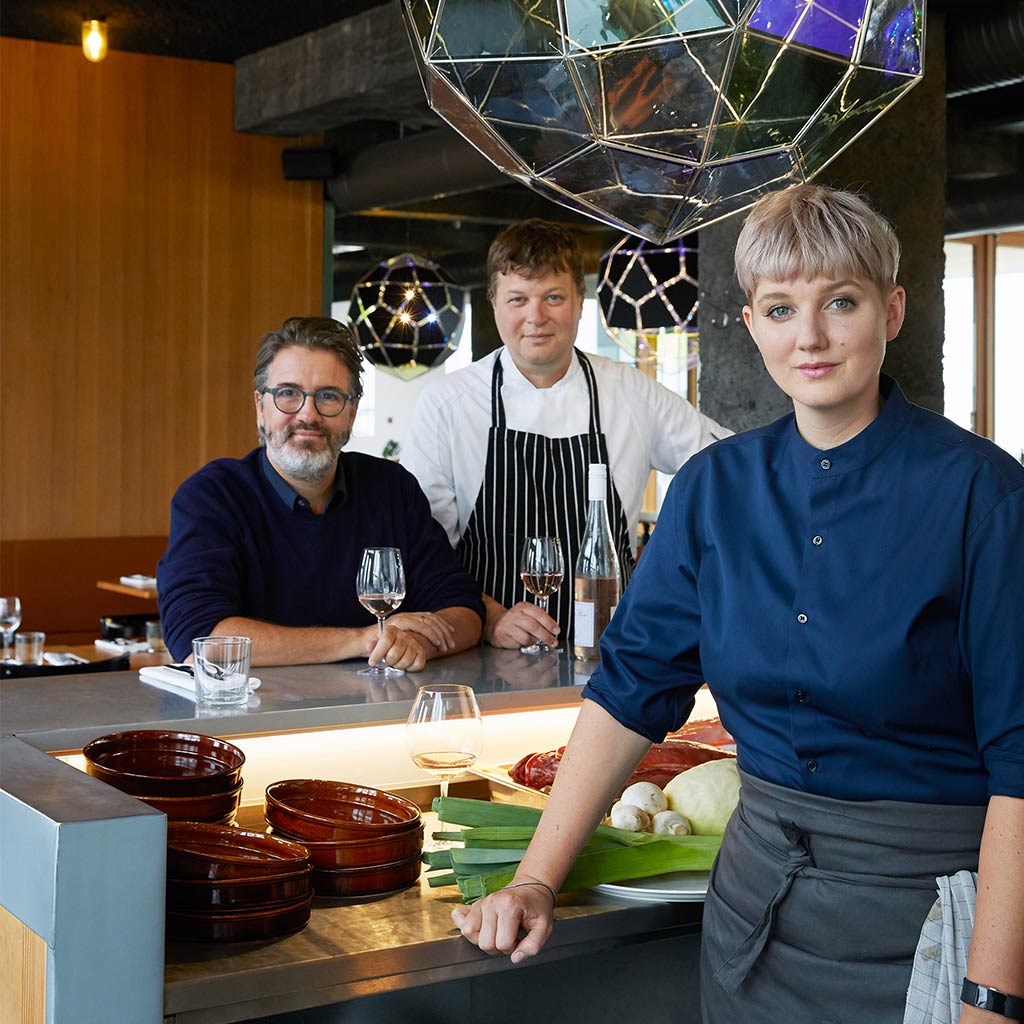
column 300, row 463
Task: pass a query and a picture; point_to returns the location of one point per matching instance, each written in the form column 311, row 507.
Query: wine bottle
column 597, row 588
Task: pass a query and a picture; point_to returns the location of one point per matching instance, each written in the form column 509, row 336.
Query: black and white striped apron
column 815, row 905
column 536, row 486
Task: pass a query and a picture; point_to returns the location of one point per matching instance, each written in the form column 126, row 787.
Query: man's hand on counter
column 518, row 626
column 495, row 922
column 398, row 648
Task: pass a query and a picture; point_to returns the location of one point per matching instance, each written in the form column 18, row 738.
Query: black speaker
column 309, row 163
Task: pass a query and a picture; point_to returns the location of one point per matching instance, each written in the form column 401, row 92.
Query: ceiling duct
column 428, row 165
column 985, row 53
column 992, row 205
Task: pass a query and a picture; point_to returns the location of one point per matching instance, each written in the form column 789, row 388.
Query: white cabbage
column 706, row 795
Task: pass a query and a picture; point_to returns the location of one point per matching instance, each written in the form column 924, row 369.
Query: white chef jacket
column 647, row 427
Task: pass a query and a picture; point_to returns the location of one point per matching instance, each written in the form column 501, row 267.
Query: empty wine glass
column 380, row 585
column 444, row 731
column 10, row 620
column 541, row 569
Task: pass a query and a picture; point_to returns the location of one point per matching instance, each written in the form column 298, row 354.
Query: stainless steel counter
column 350, row 953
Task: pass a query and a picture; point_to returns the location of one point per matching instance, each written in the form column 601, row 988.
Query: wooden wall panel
column 22, row 972
column 145, row 247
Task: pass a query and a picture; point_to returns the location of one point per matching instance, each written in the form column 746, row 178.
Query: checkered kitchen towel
column 940, row 962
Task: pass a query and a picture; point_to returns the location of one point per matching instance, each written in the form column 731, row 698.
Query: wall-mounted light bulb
column 94, row 39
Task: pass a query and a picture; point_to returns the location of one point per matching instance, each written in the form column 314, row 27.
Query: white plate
column 674, row 887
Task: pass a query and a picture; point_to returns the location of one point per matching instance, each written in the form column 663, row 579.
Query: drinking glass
column 221, row 669
column 155, row 637
column 444, row 731
column 541, row 569
column 10, row 620
column 28, row 648
column 380, row 585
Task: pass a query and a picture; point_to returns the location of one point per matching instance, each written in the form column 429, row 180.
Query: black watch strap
column 991, row 999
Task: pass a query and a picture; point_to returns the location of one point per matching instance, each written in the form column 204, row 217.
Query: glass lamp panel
column 778, row 105
column 420, row 16
column 862, row 98
column 821, row 29
column 483, row 28
column 593, row 26
column 539, row 93
column 540, row 148
column 894, row 36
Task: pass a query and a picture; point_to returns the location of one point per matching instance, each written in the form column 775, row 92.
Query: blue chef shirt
column 857, row 613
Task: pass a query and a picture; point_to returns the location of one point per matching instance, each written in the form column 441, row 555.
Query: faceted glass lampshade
column 660, row 116
column 407, row 312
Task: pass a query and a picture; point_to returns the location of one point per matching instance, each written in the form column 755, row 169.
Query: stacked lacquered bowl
column 188, row 776
column 230, row 885
column 361, row 841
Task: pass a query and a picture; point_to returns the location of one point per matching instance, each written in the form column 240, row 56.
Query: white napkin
column 121, row 646
column 140, row 580
column 174, row 680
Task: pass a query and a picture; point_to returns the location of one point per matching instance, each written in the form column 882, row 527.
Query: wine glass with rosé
column 444, row 731
column 380, row 586
column 542, row 569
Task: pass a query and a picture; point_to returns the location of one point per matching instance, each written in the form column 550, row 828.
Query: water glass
column 221, row 668
column 10, row 620
column 155, row 637
column 28, row 648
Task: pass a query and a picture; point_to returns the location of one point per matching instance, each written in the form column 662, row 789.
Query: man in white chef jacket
column 501, row 448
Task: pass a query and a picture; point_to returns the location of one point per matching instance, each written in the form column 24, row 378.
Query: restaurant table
column 83, row 864
column 146, row 593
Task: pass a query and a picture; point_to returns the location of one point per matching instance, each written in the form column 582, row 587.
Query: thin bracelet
column 543, row 885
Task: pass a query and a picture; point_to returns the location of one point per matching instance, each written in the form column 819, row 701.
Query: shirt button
column 826, row 463
column 801, row 618
column 816, row 541
column 812, row 765
column 801, row 696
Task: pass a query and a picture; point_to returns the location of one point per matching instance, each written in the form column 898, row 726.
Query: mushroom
column 645, row 795
column 630, row 817
column 671, row 823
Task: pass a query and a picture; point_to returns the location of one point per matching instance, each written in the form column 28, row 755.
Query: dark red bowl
column 150, row 762
column 211, row 807
column 361, row 853
column 203, row 851
column 240, row 926
column 370, row 881
column 239, row 894
column 322, row 810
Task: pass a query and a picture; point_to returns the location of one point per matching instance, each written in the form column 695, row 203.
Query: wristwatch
column 991, row 999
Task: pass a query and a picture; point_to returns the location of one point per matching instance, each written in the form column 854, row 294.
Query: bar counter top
column 353, row 954
column 65, row 712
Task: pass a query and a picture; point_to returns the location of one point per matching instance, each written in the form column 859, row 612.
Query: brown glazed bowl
column 240, row 926
column 239, row 894
column 370, row 881
column 362, row 853
column 203, row 851
column 212, row 807
column 318, row 809
column 150, row 762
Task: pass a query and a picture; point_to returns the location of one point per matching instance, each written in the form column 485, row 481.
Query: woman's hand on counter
column 518, row 626
column 430, row 626
column 495, row 922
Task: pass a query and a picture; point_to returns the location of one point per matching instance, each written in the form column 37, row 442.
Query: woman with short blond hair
column 849, row 581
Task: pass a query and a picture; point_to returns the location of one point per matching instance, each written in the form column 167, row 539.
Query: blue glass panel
column 826, row 32
column 776, row 17
column 891, row 39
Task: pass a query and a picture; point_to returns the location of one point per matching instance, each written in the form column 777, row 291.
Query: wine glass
column 541, row 569
column 380, row 585
column 10, row 620
column 444, row 731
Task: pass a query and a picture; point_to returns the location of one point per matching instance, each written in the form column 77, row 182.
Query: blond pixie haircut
column 812, row 231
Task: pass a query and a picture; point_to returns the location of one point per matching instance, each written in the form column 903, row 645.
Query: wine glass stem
column 543, row 602
column 7, row 645
column 380, row 625
column 444, row 786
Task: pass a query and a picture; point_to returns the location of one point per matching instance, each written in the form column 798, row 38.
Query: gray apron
column 815, row 905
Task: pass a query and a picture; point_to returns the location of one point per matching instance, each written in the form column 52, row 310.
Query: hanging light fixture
column 94, row 39
column 407, row 312
column 661, row 116
column 648, row 297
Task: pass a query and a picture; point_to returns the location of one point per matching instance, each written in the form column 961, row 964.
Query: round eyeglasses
column 289, row 399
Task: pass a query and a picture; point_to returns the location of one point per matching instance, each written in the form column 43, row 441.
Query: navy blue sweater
column 236, row 548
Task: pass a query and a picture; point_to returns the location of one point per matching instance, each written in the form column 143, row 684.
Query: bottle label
column 583, row 624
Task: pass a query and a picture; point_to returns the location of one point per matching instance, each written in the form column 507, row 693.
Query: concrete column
column 485, row 333
column 899, row 164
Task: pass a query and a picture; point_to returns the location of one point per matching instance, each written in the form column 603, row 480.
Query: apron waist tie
column 734, row 970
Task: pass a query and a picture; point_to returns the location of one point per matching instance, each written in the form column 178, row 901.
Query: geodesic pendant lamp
column 407, row 312
column 660, row 116
column 648, row 298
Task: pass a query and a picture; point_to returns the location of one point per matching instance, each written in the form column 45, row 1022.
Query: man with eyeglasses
column 268, row 546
